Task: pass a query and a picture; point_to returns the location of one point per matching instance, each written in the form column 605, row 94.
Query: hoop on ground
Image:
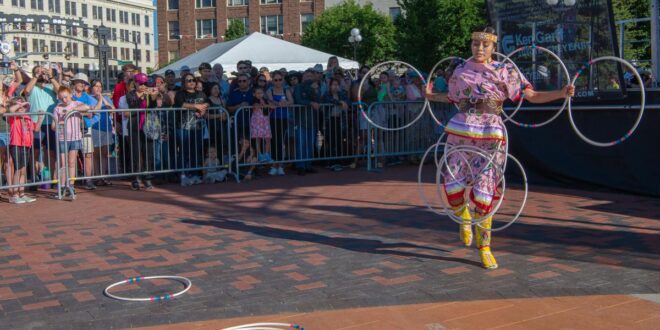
column 365, row 111
column 186, row 282
column 266, row 326
column 427, row 103
column 568, row 80
column 641, row 109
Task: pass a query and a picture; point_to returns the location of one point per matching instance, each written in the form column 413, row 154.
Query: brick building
column 186, row 26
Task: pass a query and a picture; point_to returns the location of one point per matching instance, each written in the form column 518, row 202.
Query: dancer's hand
column 569, row 90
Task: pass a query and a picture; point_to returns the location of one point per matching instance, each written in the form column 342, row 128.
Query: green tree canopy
column 430, row 30
column 235, row 30
column 330, row 31
column 637, row 36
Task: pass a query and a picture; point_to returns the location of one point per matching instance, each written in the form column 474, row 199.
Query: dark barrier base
column 557, row 153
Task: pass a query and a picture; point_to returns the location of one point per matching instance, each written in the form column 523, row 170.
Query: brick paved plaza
column 306, row 249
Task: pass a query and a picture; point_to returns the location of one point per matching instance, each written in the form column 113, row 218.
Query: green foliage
column 429, row 30
column 637, row 36
column 330, row 31
column 235, row 30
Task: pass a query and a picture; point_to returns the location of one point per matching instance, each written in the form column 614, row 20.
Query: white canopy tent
column 262, row 50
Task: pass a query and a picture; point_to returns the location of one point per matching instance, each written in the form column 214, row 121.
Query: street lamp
column 354, row 39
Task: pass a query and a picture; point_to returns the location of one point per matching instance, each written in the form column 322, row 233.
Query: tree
column 637, row 36
column 235, row 30
column 430, row 30
column 329, row 32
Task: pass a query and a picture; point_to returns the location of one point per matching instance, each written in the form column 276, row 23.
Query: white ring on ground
column 167, row 296
column 427, row 103
column 265, row 326
column 568, row 80
column 641, row 109
column 361, row 106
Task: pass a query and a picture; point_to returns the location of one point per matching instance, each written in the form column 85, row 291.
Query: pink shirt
column 478, row 81
column 73, row 128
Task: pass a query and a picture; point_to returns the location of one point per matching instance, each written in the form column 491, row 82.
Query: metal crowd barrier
column 297, row 133
column 393, row 145
column 146, row 143
column 38, row 161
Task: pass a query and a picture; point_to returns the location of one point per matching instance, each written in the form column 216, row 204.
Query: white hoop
column 361, row 106
column 266, row 326
column 568, row 79
column 427, row 103
column 522, row 205
column 186, row 282
column 641, row 109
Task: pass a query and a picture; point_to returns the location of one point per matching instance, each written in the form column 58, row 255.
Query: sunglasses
column 242, row 81
column 262, row 80
column 277, row 79
column 190, row 80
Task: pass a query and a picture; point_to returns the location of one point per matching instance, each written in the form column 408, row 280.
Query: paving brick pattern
column 332, row 241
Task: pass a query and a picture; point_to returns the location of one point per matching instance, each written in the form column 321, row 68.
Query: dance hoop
column 568, row 79
column 427, row 103
column 266, row 326
column 522, row 204
column 491, row 162
column 167, row 296
column 641, row 109
column 360, row 103
column 446, row 211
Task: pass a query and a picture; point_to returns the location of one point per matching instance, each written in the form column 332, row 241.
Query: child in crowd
column 212, row 163
column 260, row 124
column 397, row 91
column 21, row 128
column 72, row 142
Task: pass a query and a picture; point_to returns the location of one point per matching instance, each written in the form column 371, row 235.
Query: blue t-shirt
column 236, row 97
column 103, row 123
column 90, row 101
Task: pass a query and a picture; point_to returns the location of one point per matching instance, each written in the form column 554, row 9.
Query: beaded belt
column 480, row 106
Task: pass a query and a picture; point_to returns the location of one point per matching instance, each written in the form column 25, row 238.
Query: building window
column 121, row 17
column 85, row 51
column 70, row 8
column 75, row 49
column 54, row 6
column 137, row 19
column 173, row 30
column 18, row 3
column 172, row 55
column 204, row 3
column 36, row 4
column 97, row 12
column 148, row 56
column 114, row 15
column 305, row 20
column 146, row 20
column 268, row 2
column 395, row 12
column 133, row 18
column 272, row 25
column 244, row 20
column 232, row 3
column 173, row 4
column 126, row 17
column 84, row 10
column 206, row 28
column 114, row 52
column 23, row 45
column 147, row 39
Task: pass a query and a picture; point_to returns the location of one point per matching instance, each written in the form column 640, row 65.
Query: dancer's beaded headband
column 484, row 36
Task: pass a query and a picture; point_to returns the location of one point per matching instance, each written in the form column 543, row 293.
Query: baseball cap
column 169, row 72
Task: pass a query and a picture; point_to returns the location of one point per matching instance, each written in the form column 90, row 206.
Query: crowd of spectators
column 282, row 106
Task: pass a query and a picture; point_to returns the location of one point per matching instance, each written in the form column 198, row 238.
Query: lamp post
column 354, row 39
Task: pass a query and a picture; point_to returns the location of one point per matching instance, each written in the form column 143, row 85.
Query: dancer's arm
column 543, row 97
column 436, row 97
